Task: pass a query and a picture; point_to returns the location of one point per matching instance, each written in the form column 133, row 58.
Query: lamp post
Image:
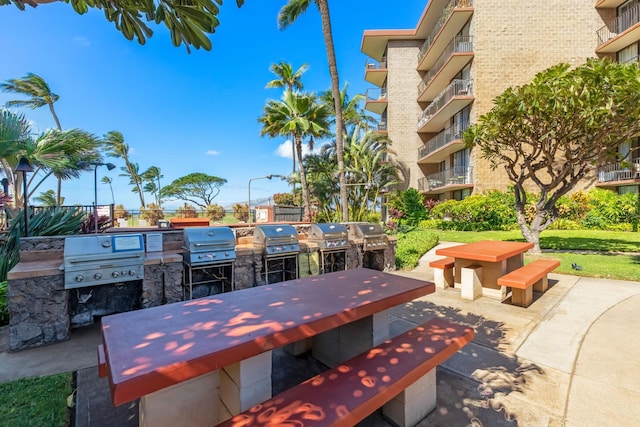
column 24, row 166
column 83, row 165
column 282, row 177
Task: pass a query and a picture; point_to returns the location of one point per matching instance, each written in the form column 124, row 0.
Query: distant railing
column 376, row 94
column 618, row 25
column 452, row 133
column 460, row 175
column 456, row 88
column 619, row 171
column 458, row 44
column 446, row 12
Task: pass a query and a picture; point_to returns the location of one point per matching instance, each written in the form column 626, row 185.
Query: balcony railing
column 373, row 65
column 456, row 88
column 618, row 25
column 619, row 171
column 376, row 94
column 452, row 133
column 634, row 60
column 460, row 175
column 458, row 44
column 446, row 12
column 381, row 126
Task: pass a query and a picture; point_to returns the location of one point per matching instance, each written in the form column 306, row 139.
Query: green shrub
column 187, row 211
column 407, row 207
column 284, row 199
column 152, row 214
column 215, row 212
column 431, row 224
column 412, row 246
column 241, row 212
column 4, row 309
column 565, row 224
column 120, row 212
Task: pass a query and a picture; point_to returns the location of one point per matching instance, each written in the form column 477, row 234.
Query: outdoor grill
column 333, row 241
column 280, row 248
column 208, row 256
column 374, row 241
column 101, row 260
column 371, row 235
column 93, row 262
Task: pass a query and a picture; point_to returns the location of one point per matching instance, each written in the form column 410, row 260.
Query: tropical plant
column 116, row 147
column 197, row 188
column 89, row 226
column 353, row 113
column 291, row 80
column 151, row 178
column 283, row 199
column 15, row 136
column 109, row 181
column 188, row 23
column 120, row 212
column 301, row 116
column 551, row 132
column 48, row 198
column 43, row 222
column 215, row 212
column 288, row 14
column 408, row 207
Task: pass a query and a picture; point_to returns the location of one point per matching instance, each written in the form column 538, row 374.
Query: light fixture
column 24, row 166
column 84, row 165
column 270, row 176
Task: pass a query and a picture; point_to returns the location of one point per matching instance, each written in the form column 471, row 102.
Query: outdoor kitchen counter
column 53, row 267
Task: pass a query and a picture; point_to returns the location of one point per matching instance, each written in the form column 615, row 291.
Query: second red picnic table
column 490, row 259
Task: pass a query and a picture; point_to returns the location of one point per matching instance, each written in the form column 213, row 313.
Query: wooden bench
column 528, row 278
column 443, row 272
column 188, row 222
column 399, row 375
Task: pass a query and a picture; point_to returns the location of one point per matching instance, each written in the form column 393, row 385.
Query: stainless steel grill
column 333, row 242
column 209, row 254
column 102, row 259
column 280, row 248
column 329, row 236
column 276, row 240
column 371, row 235
column 208, row 245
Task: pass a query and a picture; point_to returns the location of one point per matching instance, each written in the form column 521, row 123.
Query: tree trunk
column 303, row 179
column 323, row 5
column 530, row 233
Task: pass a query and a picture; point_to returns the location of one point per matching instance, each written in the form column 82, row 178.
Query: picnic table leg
column 340, row 344
column 471, row 282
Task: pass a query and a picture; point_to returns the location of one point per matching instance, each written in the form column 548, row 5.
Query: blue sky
column 184, row 112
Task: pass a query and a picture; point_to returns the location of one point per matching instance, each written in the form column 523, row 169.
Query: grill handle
column 93, row 258
column 213, row 245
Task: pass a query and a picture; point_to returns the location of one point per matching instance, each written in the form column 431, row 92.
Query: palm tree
column 15, row 135
column 352, row 112
column 116, row 147
column 287, row 15
column 151, row 178
column 303, row 117
column 108, row 180
column 47, row 198
column 39, row 93
column 290, row 80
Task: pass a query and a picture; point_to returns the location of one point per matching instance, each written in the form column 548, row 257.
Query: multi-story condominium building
column 434, row 80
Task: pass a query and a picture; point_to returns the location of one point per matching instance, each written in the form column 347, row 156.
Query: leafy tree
column 15, row 135
column 116, row 147
column 553, row 131
column 241, row 211
column 187, row 211
column 287, row 15
column 152, row 213
column 283, row 199
column 197, row 188
column 301, row 116
column 187, row 22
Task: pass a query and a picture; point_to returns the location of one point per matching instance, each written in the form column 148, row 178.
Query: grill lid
column 324, row 231
column 208, row 245
column 372, row 235
column 276, row 239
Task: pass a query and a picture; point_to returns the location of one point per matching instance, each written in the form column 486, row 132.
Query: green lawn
column 35, row 402
column 614, row 255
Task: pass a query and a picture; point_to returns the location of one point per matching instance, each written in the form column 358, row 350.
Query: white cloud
column 212, row 153
column 286, row 150
column 82, row 41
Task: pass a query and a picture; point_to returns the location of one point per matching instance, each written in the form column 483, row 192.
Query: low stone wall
column 39, row 304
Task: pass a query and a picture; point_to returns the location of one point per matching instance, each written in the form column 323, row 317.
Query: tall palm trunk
column 59, row 188
column 303, row 179
column 323, row 5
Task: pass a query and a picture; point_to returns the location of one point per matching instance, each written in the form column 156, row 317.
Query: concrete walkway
column 572, row 358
